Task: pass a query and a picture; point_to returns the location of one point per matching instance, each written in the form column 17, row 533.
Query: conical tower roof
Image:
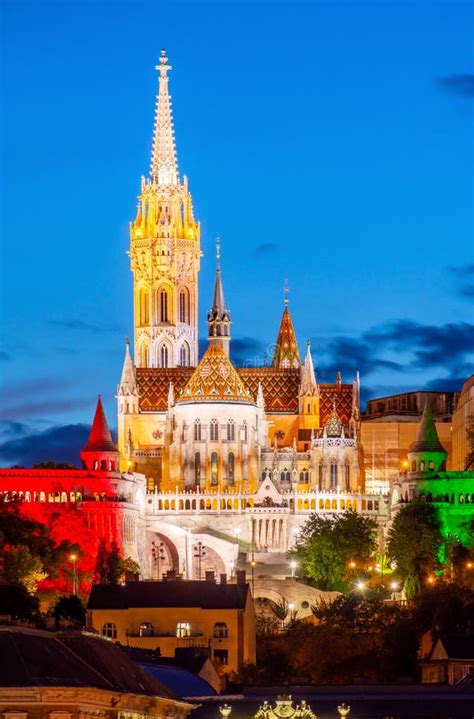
column 286, row 354
column 100, row 439
column 128, row 383
column 215, row 380
column 427, row 439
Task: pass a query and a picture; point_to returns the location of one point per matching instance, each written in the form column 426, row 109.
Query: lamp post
column 73, row 558
column 252, row 564
column 158, row 554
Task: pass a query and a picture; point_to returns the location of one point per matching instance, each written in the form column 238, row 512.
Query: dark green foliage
column 17, row 602
column 70, row 607
column 326, row 545
column 414, row 543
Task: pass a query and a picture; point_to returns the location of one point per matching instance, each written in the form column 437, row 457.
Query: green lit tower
column 427, row 454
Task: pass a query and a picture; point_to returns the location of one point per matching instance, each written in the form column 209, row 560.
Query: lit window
column 109, row 630
column 220, row 630
column 183, row 629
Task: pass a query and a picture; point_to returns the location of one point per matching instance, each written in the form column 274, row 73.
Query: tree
column 16, row 601
column 327, row 545
column 414, row 543
column 111, row 568
column 21, row 567
column 70, row 607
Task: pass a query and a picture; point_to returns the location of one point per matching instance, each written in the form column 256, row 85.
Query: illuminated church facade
column 235, row 458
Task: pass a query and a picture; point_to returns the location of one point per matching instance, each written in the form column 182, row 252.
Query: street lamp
column 293, row 565
column 158, row 554
column 360, row 585
column 73, row 558
column 199, row 553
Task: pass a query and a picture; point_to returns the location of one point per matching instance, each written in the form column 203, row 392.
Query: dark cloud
column 60, row 444
column 248, row 352
column 463, row 277
column 460, row 85
column 4, row 356
column 265, row 249
column 85, row 326
column 30, row 408
column 13, row 429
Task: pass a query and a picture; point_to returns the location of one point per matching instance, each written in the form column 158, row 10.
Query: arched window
column 347, row 476
column 184, row 355
column 109, row 630
column 333, row 476
column 246, row 432
column 304, row 476
column 431, row 464
column 144, row 355
column 231, row 468
column 231, row 430
column 197, row 430
column 214, row 430
column 184, row 306
column 144, row 306
column 320, row 475
column 285, row 476
column 220, row 630
column 413, row 465
column 422, row 466
column 214, row 468
column 164, row 356
column 197, row 467
column 163, row 299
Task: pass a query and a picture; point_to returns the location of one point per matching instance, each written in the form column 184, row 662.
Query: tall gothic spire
column 164, row 165
column 218, row 317
column 308, row 386
column 286, row 354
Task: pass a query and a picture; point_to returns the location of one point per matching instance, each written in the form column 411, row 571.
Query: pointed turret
column 100, row 453
column 286, row 354
column 218, row 317
column 164, row 166
column 308, row 385
column 427, row 453
column 128, row 383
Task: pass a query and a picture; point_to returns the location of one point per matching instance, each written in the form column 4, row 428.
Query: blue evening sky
column 327, row 142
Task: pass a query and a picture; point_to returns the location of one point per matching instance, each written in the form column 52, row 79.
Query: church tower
column 218, row 317
column 165, row 252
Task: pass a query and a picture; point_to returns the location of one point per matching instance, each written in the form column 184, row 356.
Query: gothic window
column 197, row 430
column 184, row 306
column 184, row 355
column 333, row 476
column 231, row 468
column 231, row 430
column 246, row 432
column 285, row 476
column 163, row 356
column 164, row 306
column 347, row 470
column 197, row 467
column 109, row 630
column 304, row 476
column 214, row 430
column 144, row 306
column 214, row 468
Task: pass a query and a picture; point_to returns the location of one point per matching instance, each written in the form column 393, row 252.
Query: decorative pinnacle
column 286, row 291
column 218, row 251
column 163, row 67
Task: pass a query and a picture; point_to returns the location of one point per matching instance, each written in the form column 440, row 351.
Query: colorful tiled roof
column 286, row 354
column 215, row 379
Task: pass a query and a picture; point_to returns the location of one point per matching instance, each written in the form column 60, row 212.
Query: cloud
column 31, row 409
column 463, row 277
column 265, row 249
column 85, row 326
column 248, row 352
column 59, row 443
column 460, row 85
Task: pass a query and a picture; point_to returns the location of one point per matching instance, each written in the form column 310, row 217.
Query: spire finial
column 164, row 167
column 218, row 251
column 286, row 291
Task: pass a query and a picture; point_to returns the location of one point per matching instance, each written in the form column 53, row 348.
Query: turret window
column 164, row 306
column 231, row 430
column 184, row 306
column 231, row 468
column 214, row 468
column 197, row 430
column 164, row 356
column 214, row 430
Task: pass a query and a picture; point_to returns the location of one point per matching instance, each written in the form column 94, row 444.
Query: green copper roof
column 427, row 439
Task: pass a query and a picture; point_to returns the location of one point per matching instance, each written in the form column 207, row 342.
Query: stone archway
column 163, row 555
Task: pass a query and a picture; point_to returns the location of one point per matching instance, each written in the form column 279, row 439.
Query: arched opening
column 230, row 430
column 214, row 468
column 184, row 355
column 144, row 306
column 163, row 356
column 163, row 304
column 197, row 430
column 333, row 476
column 214, row 433
column 184, row 305
column 231, row 468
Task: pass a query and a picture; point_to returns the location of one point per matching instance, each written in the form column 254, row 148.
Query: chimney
column 241, row 577
column 223, row 578
column 210, row 576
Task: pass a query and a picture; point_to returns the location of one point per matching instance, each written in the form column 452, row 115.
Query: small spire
column 308, row 377
column 286, row 354
column 100, row 439
column 164, row 167
column 218, row 317
column 286, row 291
column 128, row 383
